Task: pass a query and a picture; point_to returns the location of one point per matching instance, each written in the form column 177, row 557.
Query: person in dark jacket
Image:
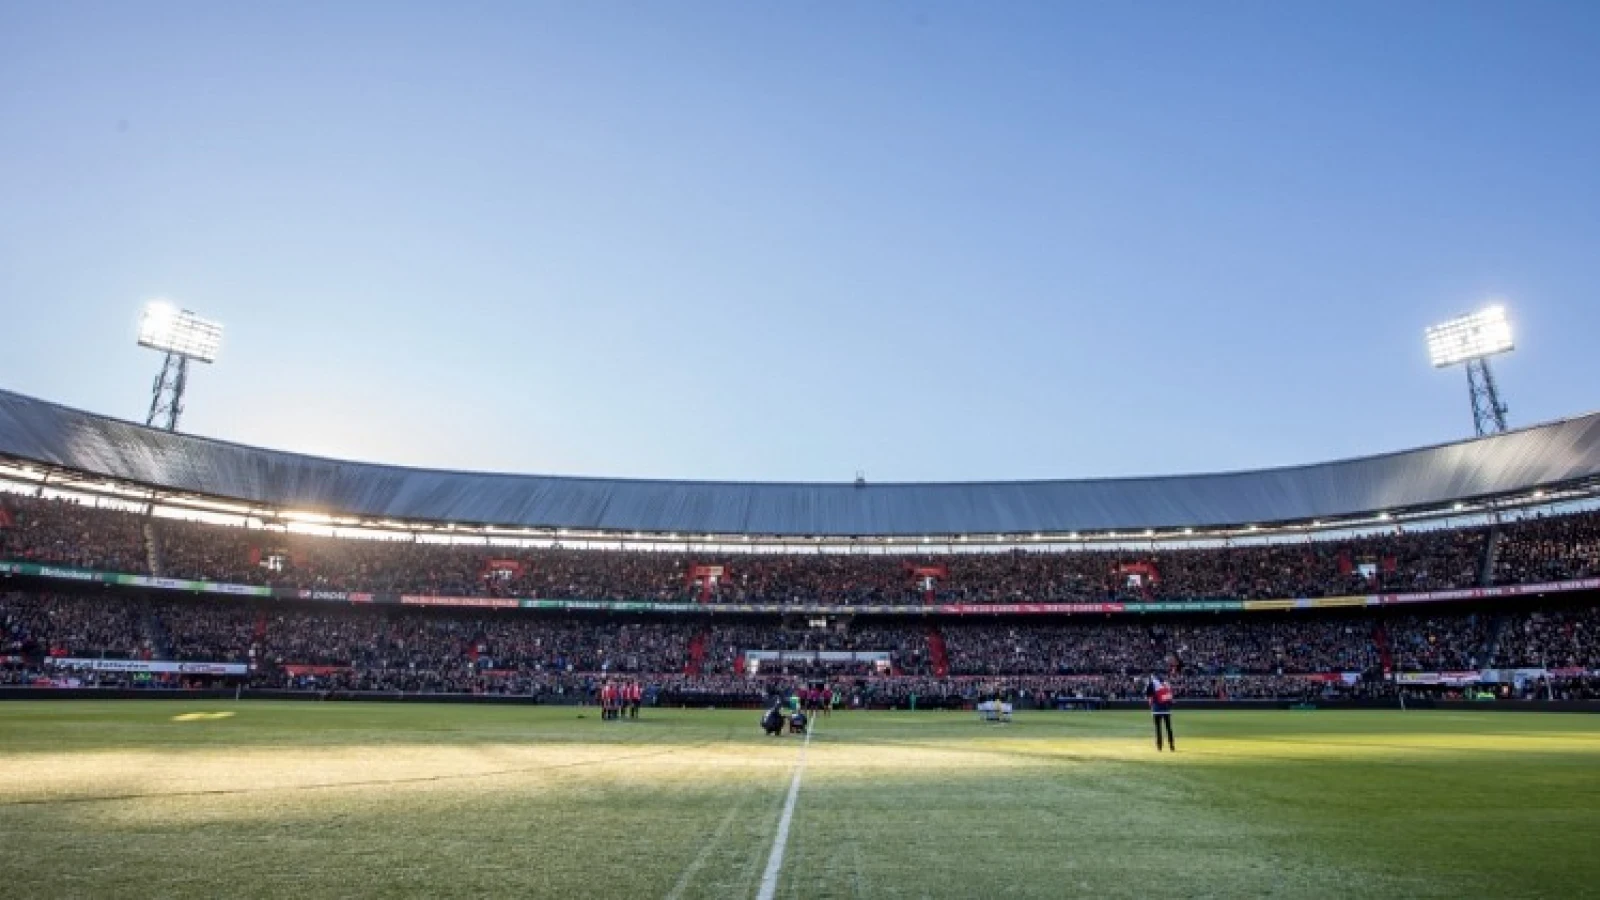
column 772, row 721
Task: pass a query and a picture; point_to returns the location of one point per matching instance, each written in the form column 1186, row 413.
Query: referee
column 1159, row 693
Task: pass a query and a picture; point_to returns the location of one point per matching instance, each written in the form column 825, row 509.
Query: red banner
column 1145, row 570
column 514, row 567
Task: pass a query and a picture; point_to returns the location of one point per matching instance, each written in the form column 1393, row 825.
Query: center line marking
column 769, row 881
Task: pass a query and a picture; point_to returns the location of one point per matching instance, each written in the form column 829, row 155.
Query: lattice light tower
column 1471, row 340
column 181, row 336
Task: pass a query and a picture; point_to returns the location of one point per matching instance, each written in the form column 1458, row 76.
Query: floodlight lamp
column 166, row 328
column 1484, row 333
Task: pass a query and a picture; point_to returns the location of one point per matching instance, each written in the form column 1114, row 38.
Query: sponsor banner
column 1306, row 603
column 309, row 594
column 1448, row 678
column 58, row 572
column 237, row 590
column 193, row 587
column 1330, row 677
column 1008, row 608
column 1510, row 590
column 166, row 584
column 819, row 655
column 429, row 600
column 149, row 665
column 1174, row 606
column 1333, row 602
column 1510, row 676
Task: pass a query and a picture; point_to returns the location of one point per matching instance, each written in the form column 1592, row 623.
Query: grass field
column 138, row 799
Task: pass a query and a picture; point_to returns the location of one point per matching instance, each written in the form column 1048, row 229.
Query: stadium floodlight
column 166, row 328
column 181, row 336
column 1471, row 340
column 1471, row 337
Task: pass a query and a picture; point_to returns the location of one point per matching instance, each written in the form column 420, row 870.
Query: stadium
column 1315, row 624
column 877, row 450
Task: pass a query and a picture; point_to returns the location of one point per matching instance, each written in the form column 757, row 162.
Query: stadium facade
column 1537, row 465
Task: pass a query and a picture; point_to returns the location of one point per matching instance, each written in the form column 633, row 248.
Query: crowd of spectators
column 1436, row 643
column 73, row 533
column 1556, row 638
column 304, row 645
column 39, row 625
column 493, row 651
column 273, row 634
column 1257, row 647
column 1548, row 548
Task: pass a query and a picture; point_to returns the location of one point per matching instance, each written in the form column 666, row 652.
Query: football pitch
column 304, row 800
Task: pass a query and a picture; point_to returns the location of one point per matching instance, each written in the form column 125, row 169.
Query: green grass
column 345, row 800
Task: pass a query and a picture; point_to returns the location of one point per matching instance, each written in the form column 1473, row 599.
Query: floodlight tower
column 1472, row 340
column 182, row 336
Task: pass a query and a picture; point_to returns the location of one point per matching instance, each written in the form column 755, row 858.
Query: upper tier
column 1554, row 455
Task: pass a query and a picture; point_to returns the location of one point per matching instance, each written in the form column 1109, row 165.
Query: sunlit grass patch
column 203, row 716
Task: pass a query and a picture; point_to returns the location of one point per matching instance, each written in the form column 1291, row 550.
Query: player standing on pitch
column 1160, row 696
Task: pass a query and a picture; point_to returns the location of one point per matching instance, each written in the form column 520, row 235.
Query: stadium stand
column 431, row 628
column 1533, row 550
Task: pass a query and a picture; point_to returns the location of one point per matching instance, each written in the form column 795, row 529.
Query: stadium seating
column 1538, row 549
column 444, row 649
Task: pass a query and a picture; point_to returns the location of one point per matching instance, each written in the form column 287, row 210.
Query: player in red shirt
column 1159, row 694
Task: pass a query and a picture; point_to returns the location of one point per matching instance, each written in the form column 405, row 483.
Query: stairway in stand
column 1380, row 639
column 1491, row 554
column 697, row 654
column 937, row 654
column 152, row 547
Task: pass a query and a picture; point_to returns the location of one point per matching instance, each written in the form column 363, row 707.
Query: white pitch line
column 705, row 853
column 769, row 881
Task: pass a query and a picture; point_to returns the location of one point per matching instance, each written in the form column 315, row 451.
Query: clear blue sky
column 788, row 241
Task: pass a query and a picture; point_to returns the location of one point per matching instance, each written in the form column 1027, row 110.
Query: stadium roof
column 1550, row 456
